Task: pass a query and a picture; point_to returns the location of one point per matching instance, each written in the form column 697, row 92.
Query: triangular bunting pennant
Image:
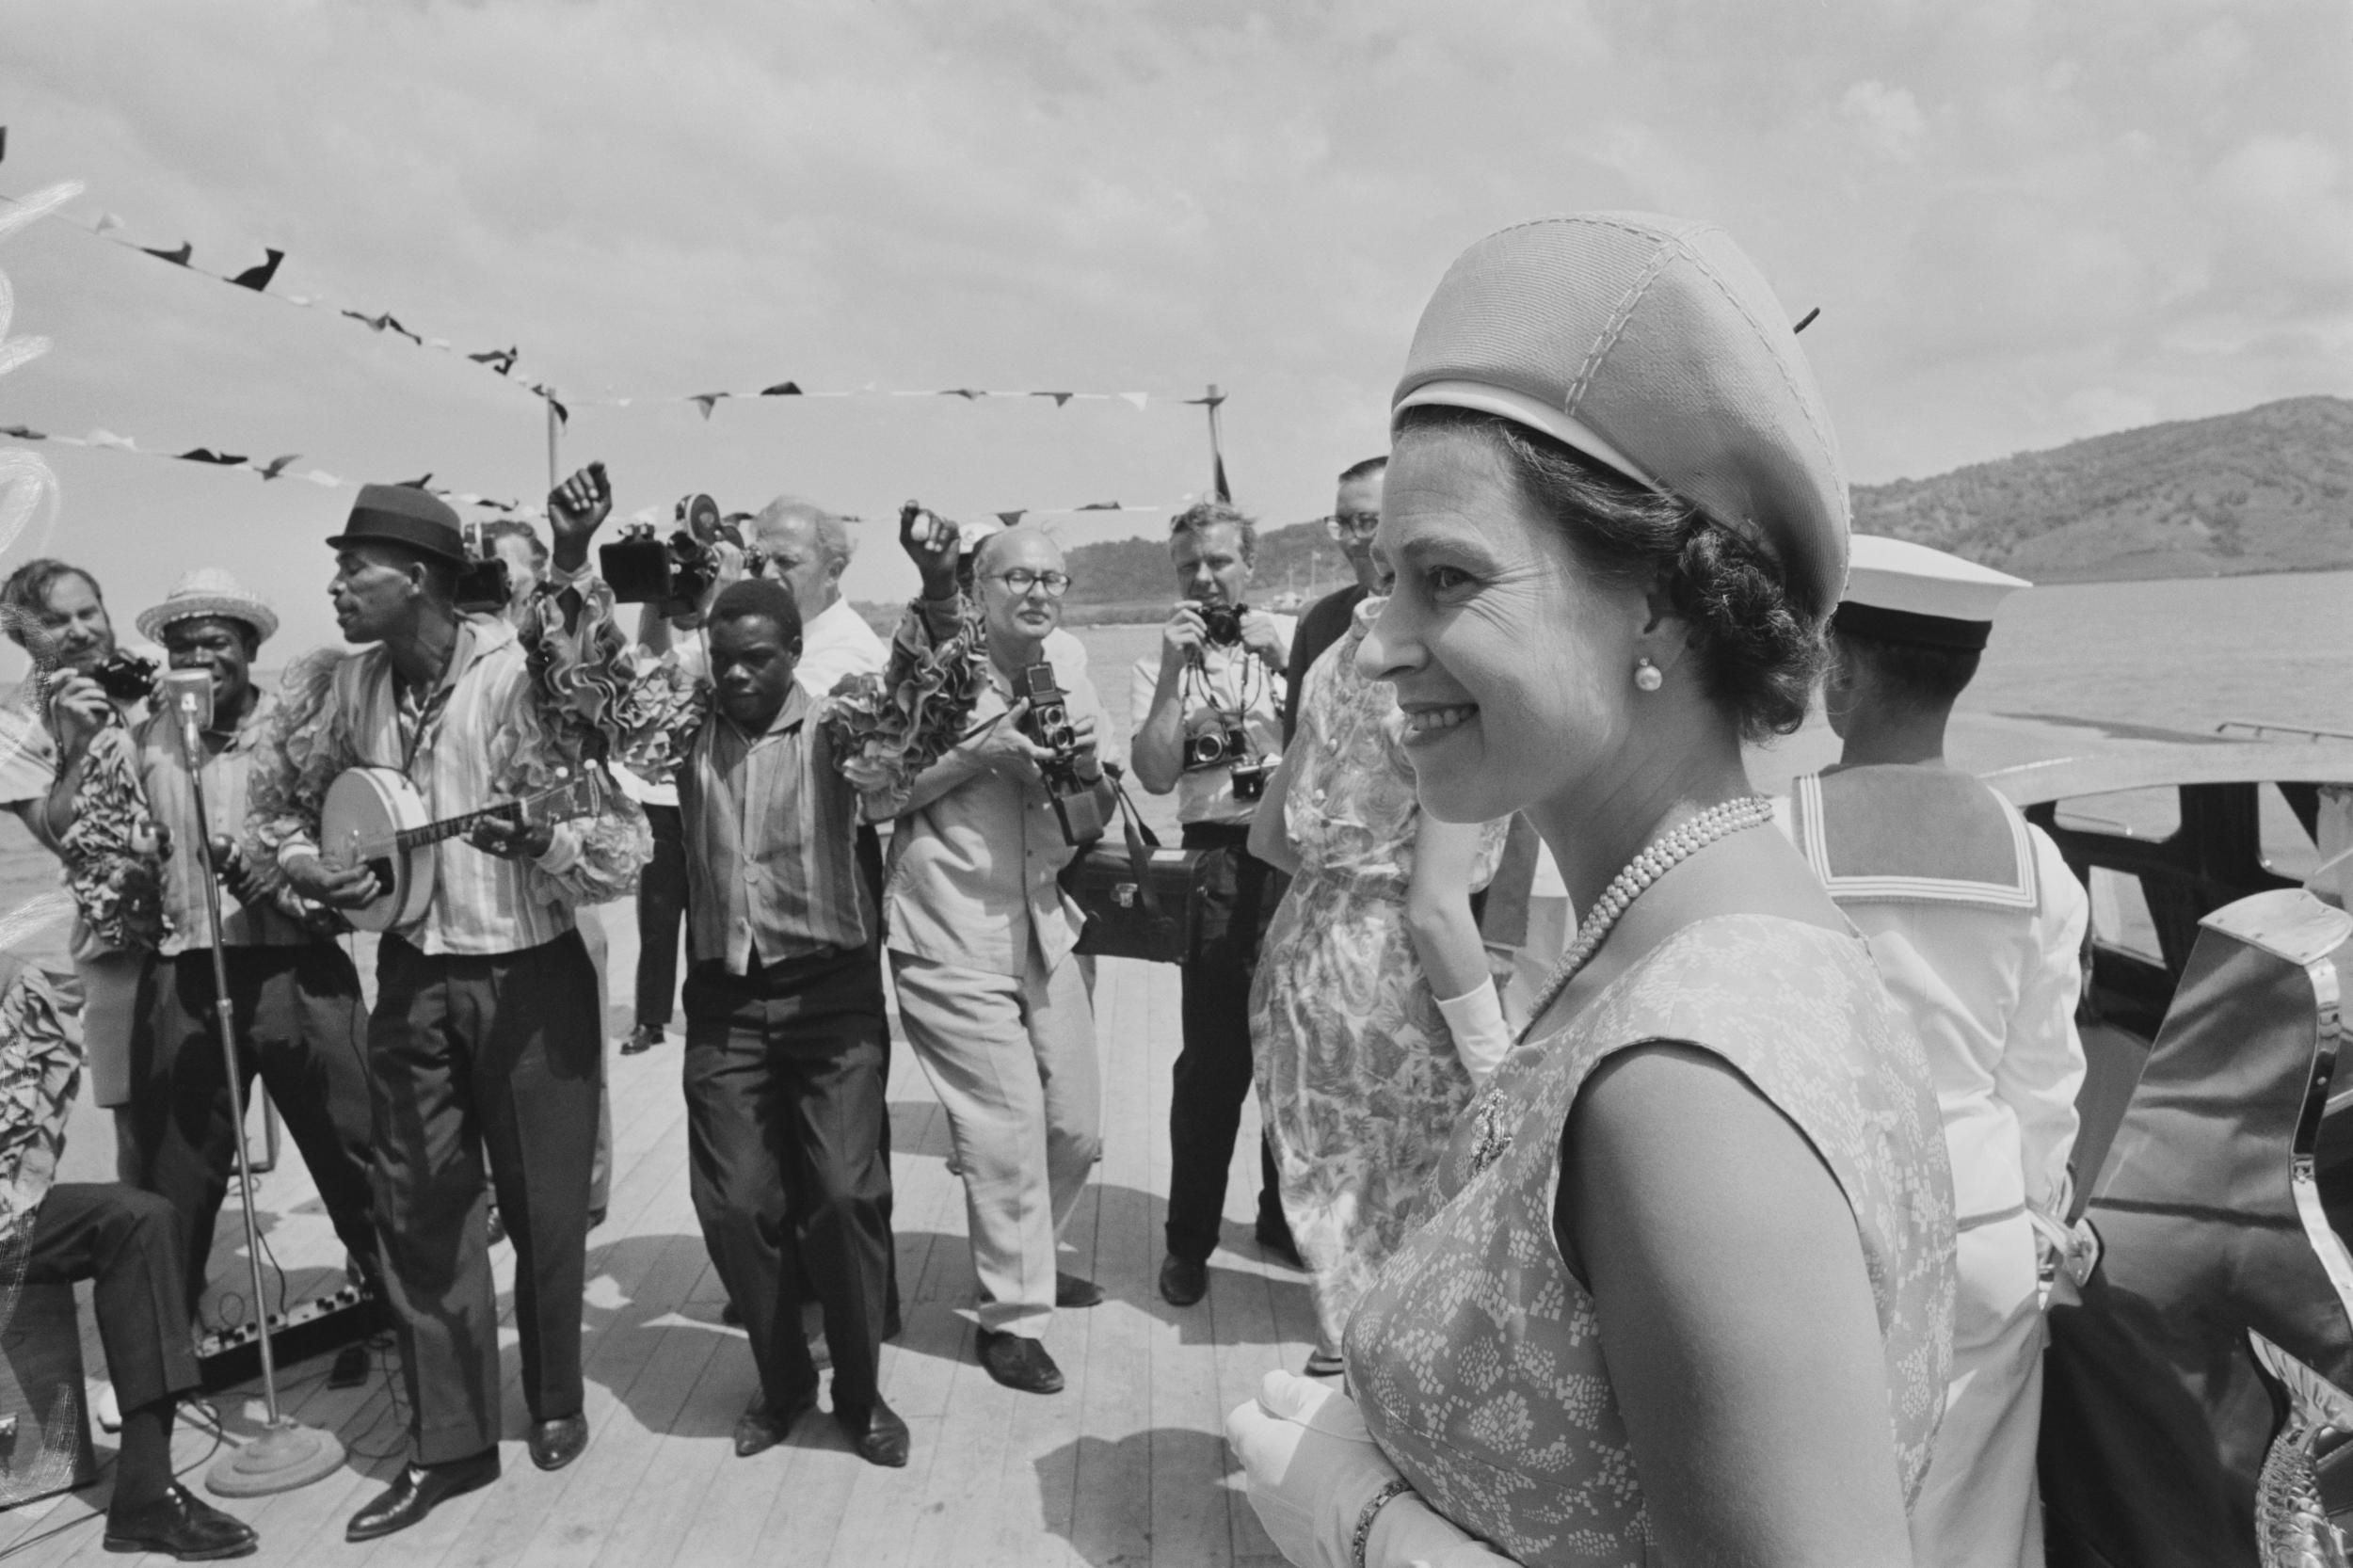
column 107, row 223
column 500, row 360
column 1012, row 519
column 276, row 466
column 968, row 394
column 708, row 401
column 424, row 484
column 23, row 433
column 177, row 258
column 782, row 389
column 257, row 278
column 324, row 480
column 1139, row 399
column 441, row 344
column 206, row 455
column 1101, row 507
column 107, row 438
column 1060, row 398
column 1211, row 402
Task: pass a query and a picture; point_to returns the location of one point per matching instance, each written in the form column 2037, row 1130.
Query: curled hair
column 1760, row 647
column 25, row 597
column 1203, row 515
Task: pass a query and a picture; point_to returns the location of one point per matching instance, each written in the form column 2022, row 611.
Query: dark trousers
column 1212, row 1074
column 299, row 1024
column 660, row 915
column 784, row 1102
column 128, row 1242
column 495, row 1056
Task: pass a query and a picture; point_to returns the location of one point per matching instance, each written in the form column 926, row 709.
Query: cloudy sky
column 2025, row 223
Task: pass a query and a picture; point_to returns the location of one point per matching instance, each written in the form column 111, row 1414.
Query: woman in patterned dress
column 1359, row 1076
column 1687, row 1293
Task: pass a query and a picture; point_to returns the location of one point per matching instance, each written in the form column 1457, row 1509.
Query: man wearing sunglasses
column 1355, row 514
column 982, row 942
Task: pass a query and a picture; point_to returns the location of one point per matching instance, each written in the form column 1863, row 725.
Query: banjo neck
column 576, row 798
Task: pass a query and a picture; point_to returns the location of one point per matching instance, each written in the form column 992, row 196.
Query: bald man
column 982, row 942
column 808, row 549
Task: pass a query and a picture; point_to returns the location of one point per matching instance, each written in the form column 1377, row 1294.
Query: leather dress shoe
column 641, row 1040
column 877, row 1434
column 1073, row 1290
column 1019, row 1363
column 1183, row 1281
column 558, row 1443
column 760, row 1427
column 420, row 1489
column 183, row 1526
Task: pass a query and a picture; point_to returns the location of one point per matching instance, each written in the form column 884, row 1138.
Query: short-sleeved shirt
column 837, row 642
column 1226, row 681
column 226, row 774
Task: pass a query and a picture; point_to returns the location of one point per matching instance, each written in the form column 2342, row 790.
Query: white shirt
column 1228, row 680
column 1992, row 993
column 835, row 643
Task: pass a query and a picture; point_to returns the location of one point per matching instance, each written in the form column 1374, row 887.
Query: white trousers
column 1979, row 1506
column 1013, row 1063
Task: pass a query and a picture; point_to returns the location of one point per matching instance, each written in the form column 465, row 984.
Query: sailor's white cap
column 1901, row 592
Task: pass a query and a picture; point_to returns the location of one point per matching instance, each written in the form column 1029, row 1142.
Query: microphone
column 189, row 695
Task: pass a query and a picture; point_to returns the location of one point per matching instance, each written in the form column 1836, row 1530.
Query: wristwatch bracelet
column 1371, row 1510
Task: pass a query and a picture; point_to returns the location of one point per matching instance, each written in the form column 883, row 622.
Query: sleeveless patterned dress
column 1476, row 1358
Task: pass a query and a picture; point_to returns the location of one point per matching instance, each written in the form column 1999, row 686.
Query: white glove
column 1409, row 1533
column 1482, row 1038
column 1310, row 1464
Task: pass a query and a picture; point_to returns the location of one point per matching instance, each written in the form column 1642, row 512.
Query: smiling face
column 798, row 558
column 1209, row 563
column 752, row 662
column 218, row 646
column 71, row 629
column 1511, row 659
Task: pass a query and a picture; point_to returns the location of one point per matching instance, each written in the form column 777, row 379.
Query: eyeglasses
column 1020, row 580
column 1353, row 525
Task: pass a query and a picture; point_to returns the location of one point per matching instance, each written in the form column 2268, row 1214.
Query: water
column 2176, row 655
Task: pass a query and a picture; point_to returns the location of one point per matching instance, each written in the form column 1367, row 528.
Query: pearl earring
column 1647, row 676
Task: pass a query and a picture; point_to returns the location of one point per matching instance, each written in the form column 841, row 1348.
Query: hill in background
column 2270, row 488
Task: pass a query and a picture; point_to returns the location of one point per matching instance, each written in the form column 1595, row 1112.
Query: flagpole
column 554, row 471
column 1217, row 457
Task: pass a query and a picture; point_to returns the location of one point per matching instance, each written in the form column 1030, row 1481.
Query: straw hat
column 209, row 591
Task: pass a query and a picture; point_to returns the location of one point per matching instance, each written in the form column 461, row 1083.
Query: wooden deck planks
column 1127, row 1466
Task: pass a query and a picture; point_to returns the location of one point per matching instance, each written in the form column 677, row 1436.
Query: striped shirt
column 771, row 843
column 163, row 774
column 476, row 740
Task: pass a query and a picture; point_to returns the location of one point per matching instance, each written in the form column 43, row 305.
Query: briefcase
column 1141, row 901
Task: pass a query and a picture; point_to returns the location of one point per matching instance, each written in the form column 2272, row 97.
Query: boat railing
column 2258, row 729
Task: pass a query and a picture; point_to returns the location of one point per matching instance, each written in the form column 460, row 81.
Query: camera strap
column 1142, row 841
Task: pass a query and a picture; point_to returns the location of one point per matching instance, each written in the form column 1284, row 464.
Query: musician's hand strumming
column 511, row 840
column 338, row 887
column 576, row 509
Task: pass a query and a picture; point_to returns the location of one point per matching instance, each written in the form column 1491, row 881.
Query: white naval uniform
column 1978, row 927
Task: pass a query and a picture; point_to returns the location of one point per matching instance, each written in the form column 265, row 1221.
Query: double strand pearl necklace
column 1661, row 855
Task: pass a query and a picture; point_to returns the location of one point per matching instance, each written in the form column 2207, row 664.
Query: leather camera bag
column 1141, row 901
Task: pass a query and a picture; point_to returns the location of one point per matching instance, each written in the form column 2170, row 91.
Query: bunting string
column 282, row 468
column 260, row 279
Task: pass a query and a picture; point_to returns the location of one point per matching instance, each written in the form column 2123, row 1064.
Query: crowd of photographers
column 767, row 861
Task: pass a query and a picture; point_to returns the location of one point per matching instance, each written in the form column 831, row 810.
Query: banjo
column 374, row 817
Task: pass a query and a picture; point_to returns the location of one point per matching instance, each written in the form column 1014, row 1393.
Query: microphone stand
column 286, row 1454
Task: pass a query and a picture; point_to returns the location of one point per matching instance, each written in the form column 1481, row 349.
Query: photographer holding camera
column 981, row 943
column 1211, row 729
column 80, row 698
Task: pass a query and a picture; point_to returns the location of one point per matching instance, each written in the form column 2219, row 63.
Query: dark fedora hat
column 404, row 514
